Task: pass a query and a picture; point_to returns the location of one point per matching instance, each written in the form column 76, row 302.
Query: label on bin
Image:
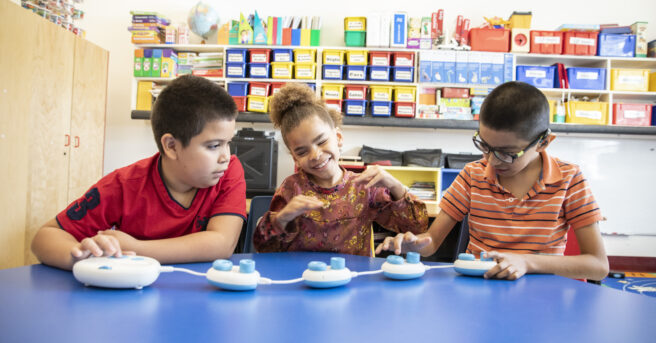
column 236, row 58
column 355, row 94
column 334, row 106
column 259, row 58
column 333, row 59
column 356, row 74
column 547, row 40
column 404, row 110
column 536, row 73
column 379, row 61
column 331, row 94
column 582, row 41
column 588, row 114
column 259, row 71
column 357, row 109
column 304, row 58
column 306, row 73
column 232, row 70
column 379, row 75
column 587, row 75
column 282, row 72
column 632, row 114
column 261, row 91
column 332, row 73
column 402, row 62
column 283, row 57
column 380, row 96
column 403, row 75
column 256, row 105
column 631, row 79
column 381, row 110
column 405, row 97
column 355, row 59
column 355, row 26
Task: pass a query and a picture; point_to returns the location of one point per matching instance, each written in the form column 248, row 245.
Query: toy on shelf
column 203, row 20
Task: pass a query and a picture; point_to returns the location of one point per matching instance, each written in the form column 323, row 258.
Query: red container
column 404, row 109
column 580, row 43
column 240, row 101
column 404, row 59
column 334, row 104
column 355, row 92
column 275, row 87
column 484, row 39
column 632, row 114
column 450, row 92
column 259, row 88
column 380, row 58
column 546, row 42
column 259, row 55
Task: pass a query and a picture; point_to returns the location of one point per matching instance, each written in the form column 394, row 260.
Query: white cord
column 267, row 281
column 439, row 267
column 367, row 273
column 168, row 269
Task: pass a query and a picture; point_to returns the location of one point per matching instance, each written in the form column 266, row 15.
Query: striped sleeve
column 580, row 206
column 456, row 201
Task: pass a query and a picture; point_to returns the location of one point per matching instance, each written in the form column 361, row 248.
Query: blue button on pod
column 466, row 257
column 337, row 263
column 412, row 257
column 395, row 259
column 317, row 266
column 222, row 265
column 246, row 266
column 485, row 258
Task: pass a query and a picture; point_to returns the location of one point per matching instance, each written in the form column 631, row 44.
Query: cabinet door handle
column 68, row 140
column 77, row 142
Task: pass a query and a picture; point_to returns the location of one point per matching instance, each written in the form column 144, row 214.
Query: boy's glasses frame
column 503, row 156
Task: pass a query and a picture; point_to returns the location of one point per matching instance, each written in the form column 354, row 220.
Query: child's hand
column 404, row 242
column 125, row 240
column 98, row 245
column 509, row 266
column 376, row 176
column 297, row 206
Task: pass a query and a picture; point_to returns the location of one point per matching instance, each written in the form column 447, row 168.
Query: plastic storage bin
column 403, row 59
column 236, row 55
column 305, row 55
column 333, row 72
column 282, row 70
column 312, row 86
column 258, row 103
column 379, row 73
column 586, row 78
column 355, row 107
column 355, row 38
column 616, row 45
column 283, row 55
column 546, row 42
column 305, row 71
column 652, row 81
column 356, row 57
column 404, row 109
column 259, row 88
column 358, row 73
column 381, row 108
column 484, row 39
column 332, row 92
column 380, row 58
column 405, row 94
column 381, row 93
column 632, row 114
column 583, row 112
column 355, row 24
column 238, row 88
column 448, row 176
column 630, row 80
column 403, row 74
column 355, row 92
column 259, row 55
column 258, row 70
column 235, row 69
column 275, row 87
column 240, row 101
column 538, row 76
column 333, row 57
column 580, row 43
column 335, row 104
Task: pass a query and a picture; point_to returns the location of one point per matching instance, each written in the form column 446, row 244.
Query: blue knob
column 485, row 258
column 466, row 257
column 317, row 266
column 246, row 266
column 337, row 263
column 395, row 259
column 412, row 257
column 222, row 265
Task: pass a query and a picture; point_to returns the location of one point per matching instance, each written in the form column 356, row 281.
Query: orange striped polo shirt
column 561, row 198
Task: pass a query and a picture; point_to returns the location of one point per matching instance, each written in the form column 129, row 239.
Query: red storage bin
column 450, row 92
column 404, row 109
column 335, row 104
column 355, row 92
column 275, row 87
column 546, row 42
column 380, row 58
column 404, row 59
column 580, row 43
column 240, row 101
column 259, row 55
column 259, row 88
column 632, row 114
column 484, row 39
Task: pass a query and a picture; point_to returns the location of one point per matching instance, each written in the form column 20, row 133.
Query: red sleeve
column 232, row 193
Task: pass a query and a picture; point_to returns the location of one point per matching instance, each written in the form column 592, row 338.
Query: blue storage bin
column 379, row 73
column 538, row 76
column 653, row 116
column 586, row 78
column 283, row 55
column 448, row 176
column 403, row 74
column 235, row 69
column 313, row 86
column 258, row 70
column 381, row 108
column 355, row 107
column 333, row 72
column 236, row 55
column 616, row 45
column 356, row 72
column 238, row 88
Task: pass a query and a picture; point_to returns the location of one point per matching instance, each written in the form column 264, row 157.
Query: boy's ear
column 544, row 143
column 340, row 137
column 170, row 146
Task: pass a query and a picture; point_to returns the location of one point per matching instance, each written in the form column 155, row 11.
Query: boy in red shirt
column 184, row 204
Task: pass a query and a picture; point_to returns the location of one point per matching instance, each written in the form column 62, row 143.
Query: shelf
column 251, row 117
column 167, row 80
column 644, row 96
column 247, row 79
column 369, row 83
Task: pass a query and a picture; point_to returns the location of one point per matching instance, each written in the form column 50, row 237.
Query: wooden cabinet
column 53, row 90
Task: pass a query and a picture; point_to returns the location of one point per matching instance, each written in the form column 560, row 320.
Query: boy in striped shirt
column 521, row 202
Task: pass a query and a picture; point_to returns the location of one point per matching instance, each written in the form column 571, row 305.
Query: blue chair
column 259, row 206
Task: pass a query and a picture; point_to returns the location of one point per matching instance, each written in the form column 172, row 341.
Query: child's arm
column 376, row 176
column 55, row 247
column 592, row 263
column 426, row 243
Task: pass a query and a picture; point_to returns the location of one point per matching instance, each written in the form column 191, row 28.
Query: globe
column 203, row 20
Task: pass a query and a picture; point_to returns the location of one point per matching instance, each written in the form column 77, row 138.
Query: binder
column 287, row 36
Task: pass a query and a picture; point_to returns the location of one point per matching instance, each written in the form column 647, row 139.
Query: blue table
column 43, row 304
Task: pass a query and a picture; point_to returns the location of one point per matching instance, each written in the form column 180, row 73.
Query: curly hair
column 296, row 102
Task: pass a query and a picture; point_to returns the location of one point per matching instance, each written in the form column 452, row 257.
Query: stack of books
column 423, row 190
column 148, row 27
column 208, row 64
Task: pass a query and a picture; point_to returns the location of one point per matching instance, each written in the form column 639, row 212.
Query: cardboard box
column 138, row 62
column 399, row 34
column 640, row 30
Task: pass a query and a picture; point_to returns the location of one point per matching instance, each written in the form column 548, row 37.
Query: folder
column 287, row 36
column 315, row 37
column 279, row 27
column 296, row 37
column 305, row 37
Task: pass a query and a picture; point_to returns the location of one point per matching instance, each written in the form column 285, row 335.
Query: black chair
column 455, row 243
column 259, row 205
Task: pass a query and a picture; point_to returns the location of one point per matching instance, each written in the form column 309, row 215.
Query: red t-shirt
column 135, row 200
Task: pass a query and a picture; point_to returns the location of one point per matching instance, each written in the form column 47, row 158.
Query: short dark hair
column 186, row 105
column 517, row 107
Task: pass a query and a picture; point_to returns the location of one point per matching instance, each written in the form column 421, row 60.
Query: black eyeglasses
column 502, row 156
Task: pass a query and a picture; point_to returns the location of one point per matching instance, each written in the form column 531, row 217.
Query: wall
column 616, row 165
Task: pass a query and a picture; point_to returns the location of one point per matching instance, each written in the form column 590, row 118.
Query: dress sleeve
column 269, row 236
column 405, row 214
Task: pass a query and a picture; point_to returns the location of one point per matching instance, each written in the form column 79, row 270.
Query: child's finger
column 374, row 181
column 90, row 245
column 422, row 242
